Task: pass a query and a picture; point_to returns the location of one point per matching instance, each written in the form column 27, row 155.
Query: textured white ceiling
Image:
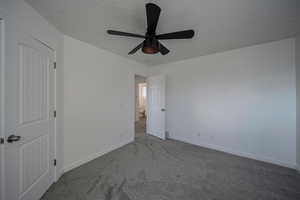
column 220, row 25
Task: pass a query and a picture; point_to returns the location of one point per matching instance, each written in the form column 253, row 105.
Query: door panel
column 33, row 85
column 34, row 161
column 34, row 152
column 156, row 106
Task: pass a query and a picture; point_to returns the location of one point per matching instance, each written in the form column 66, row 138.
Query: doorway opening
column 140, row 106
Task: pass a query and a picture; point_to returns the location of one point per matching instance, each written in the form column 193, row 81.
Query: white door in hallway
column 29, row 147
column 156, row 106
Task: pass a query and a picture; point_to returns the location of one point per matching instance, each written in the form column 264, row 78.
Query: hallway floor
column 140, row 128
column 152, row 169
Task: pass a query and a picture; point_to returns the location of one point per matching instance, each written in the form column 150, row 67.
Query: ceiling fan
column 151, row 44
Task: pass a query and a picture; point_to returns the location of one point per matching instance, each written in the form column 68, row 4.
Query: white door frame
column 55, row 105
column 2, row 103
column 2, row 86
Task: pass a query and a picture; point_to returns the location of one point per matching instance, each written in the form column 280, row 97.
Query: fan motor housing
column 150, row 46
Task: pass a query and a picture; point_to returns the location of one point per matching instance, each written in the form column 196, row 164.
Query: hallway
column 140, row 128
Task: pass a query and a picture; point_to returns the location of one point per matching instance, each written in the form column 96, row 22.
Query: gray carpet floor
column 152, row 169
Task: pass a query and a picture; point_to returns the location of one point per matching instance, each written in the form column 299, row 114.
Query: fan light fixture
column 150, row 46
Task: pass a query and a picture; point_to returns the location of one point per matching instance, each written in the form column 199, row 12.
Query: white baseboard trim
column 92, row 157
column 242, row 154
column 209, row 146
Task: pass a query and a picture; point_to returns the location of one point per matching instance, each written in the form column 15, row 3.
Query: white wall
column 22, row 20
column 99, row 101
column 298, row 98
column 241, row 101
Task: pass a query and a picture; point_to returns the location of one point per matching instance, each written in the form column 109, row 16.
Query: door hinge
column 54, row 113
column 54, row 65
column 54, row 162
column 1, row 140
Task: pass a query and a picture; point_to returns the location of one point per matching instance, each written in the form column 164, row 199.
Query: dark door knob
column 163, row 110
column 13, row 138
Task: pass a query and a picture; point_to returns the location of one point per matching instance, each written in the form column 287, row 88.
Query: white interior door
column 156, row 106
column 30, row 147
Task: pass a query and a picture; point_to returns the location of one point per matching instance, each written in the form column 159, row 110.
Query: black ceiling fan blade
column 153, row 12
column 136, row 49
column 187, row 34
column 163, row 50
column 120, row 33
